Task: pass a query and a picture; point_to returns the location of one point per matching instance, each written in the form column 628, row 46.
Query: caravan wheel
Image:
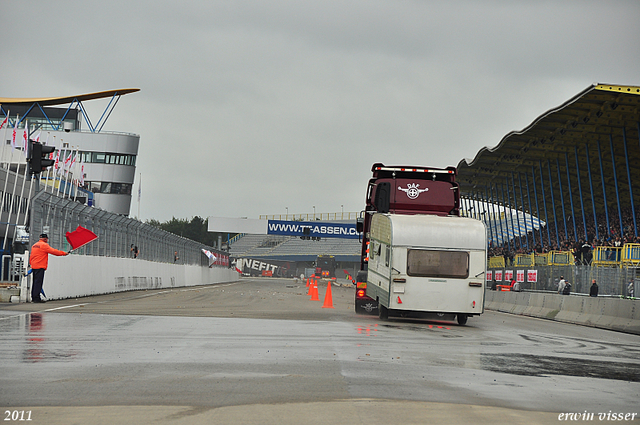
column 462, row 319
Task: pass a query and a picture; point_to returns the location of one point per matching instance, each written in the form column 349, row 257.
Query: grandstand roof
column 51, row 101
column 580, row 136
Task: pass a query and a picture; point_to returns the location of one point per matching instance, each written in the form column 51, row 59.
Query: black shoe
column 39, row 301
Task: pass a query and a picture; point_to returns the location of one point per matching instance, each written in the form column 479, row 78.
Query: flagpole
column 24, row 178
column 55, row 166
column 61, row 169
column 75, row 193
column 139, row 193
column 13, row 195
column 66, row 172
column 4, row 137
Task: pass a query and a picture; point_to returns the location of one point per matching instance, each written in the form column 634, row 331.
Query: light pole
column 314, row 212
column 287, row 217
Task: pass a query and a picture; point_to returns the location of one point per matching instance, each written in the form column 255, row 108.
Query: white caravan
column 427, row 264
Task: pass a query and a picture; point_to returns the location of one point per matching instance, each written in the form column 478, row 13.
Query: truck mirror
column 359, row 224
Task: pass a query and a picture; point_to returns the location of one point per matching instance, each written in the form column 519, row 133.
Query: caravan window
column 428, row 263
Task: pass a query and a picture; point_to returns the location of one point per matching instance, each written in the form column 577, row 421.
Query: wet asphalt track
column 259, row 351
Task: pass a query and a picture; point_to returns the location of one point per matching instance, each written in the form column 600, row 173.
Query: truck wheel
column 383, row 312
column 462, row 319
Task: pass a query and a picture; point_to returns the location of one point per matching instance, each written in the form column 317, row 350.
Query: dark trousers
column 36, row 288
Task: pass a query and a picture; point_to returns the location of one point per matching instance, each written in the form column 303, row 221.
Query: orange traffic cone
column 328, row 300
column 314, row 290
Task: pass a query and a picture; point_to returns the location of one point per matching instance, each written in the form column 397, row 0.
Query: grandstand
column 554, row 196
column 302, row 252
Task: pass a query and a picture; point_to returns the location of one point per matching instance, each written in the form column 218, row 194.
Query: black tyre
column 462, row 319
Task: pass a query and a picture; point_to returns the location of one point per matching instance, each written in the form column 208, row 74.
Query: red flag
column 80, row 237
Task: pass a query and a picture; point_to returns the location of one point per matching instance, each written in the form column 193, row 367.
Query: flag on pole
column 15, row 130
column 210, row 255
column 56, row 165
column 4, row 122
column 80, row 237
column 25, row 137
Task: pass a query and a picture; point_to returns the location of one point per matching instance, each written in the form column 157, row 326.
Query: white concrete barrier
column 607, row 313
column 83, row 275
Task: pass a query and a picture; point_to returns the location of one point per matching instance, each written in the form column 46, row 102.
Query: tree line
column 194, row 229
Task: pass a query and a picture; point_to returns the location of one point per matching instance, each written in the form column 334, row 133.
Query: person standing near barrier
column 630, row 290
column 561, row 285
column 593, row 291
column 39, row 260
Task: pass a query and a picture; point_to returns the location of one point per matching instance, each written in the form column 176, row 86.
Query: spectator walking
column 561, row 284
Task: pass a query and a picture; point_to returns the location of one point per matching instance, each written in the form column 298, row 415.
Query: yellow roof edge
column 618, row 89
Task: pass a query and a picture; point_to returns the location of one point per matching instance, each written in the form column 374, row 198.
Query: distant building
column 109, row 158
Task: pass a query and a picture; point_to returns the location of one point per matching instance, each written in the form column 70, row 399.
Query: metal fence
column 116, row 234
column 611, row 280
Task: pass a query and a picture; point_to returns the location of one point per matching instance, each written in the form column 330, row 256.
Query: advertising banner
column 255, row 267
column 498, row 275
column 520, row 276
column 314, row 229
column 532, row 275
column 508, row 275
column 489, row 275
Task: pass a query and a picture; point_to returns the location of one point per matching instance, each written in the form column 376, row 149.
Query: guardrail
column 631, row 255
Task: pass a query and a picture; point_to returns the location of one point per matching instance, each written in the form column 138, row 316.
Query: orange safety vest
column 39, row 257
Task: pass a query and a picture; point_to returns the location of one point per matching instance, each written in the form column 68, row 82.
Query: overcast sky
column 250, row 108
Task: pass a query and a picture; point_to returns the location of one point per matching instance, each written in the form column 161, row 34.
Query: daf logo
column 412, row 190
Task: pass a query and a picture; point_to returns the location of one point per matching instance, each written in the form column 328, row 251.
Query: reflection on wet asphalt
column 280, row 355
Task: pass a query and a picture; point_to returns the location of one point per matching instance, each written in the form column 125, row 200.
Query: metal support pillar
column 573, row 213
column 626, row 157
column 584, row 219
column 553, row 204
column 524, row 214
column 492, row 232
column 533, row 229
column 515, row 204
column 593, row 202
column 564, row 214
column 535, row 193
column 513, row 227
column 604, row 192
column 499, row 217
column 506, row 221
column 615, row 181
column 544, row 201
